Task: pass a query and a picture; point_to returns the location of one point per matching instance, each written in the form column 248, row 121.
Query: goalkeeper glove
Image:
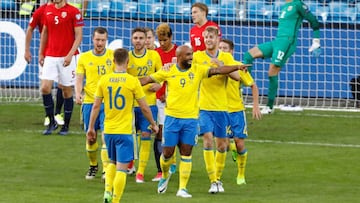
column 315, row 47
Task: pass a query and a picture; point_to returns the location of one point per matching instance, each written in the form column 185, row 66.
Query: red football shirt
column 37, row 19
column 60, row 23
column 196, row 38
column 166, row 57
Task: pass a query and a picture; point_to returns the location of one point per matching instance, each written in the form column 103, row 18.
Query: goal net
column 304, row 81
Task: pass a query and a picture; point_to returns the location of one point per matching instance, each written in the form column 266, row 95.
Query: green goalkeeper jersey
column 291, row 17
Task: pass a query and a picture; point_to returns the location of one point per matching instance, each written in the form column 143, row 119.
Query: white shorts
column 161, row 113
column 54, row 70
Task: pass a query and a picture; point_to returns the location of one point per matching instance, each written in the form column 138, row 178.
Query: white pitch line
column 306, row 143
column 249, row 140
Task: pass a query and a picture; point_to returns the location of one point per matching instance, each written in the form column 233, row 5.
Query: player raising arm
column 182, row 112
column 284, row 45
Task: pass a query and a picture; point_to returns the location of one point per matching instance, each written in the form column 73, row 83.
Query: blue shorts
column 120, row 147
column 216, row 122
column 238, row 125
column 86, row 112
column 140, row 121
column 180, row 130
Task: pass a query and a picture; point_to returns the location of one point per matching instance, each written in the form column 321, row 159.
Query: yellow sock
column 165, row 166
column 173, row 158
column 220, row 158
column 119, row 185
column 232, row 145
column 91, row 151
column 109, row 177
column 241, row 162
column 104, row 157
column 209, row 158
column 144, row 154
column 184, row 171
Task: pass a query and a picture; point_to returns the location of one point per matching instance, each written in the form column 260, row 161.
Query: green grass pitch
column 310, row 156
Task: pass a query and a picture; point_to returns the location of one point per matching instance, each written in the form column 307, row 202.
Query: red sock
column 131, row 164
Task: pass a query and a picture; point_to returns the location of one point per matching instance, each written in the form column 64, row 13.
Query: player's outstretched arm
column 145, row 109
column 256, row 114
column 79, row 88
column 91, row 133
column 146, row 80
column 28, row 37
column 43, row 42
column 227, row 69
column 315, row 25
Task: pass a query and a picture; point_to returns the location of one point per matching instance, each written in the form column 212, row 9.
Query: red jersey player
column 199, row 12
column 37, row 21
column 62, row 35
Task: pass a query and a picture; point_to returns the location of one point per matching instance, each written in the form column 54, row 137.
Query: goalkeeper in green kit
column 292, row 14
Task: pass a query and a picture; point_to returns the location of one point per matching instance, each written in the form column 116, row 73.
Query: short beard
column 186, row 65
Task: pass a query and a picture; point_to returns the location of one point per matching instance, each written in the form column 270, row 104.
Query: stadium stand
column 260, row 11
column 150, row 9
column 123, row 9
column 98, row 8
column 341, row 12
column 8, row 5
column 177, row 8
column 228, row 9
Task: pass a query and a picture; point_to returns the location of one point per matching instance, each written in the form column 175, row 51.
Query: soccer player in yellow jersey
column 237, row 111
column 143, row 62
column 214, row 118
column 92, row 65
column 182, row 112
column 118, row 91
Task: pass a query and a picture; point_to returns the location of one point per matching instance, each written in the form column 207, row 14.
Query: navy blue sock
column 68, row 108
column 157, row 153
column 59, row 101
column 49, row 106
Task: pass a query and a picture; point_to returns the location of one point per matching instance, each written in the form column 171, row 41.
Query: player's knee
column 248, row 58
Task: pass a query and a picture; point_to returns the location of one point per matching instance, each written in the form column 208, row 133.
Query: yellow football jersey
column 182, row 91
column 234, row 93
column 145, row 65
column 119, row 91
column 213, row 95
column 93, row 67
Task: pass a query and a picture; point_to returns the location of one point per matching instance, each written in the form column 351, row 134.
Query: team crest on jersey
column 91, row 63
column 149, row 63
column 191, row 75
column 63, row 14
column 289, row 8
column 108, row 62
column 78, row 16
column 305, row 7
